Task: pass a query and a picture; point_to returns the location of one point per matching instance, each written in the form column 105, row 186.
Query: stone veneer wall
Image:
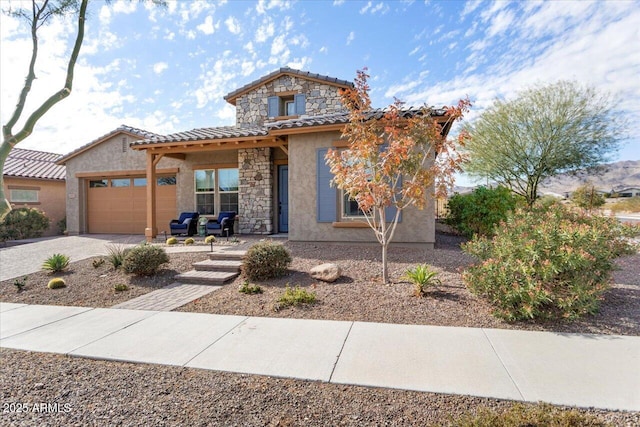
column 251, row 108
column 255, row 201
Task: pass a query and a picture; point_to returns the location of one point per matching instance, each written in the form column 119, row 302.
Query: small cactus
column 120, row 287
column 189, row 241
column 56, row 283
column 209, row 239
column 172, row 241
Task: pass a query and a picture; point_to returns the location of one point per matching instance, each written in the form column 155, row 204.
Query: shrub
column 547, row 264
column 144, row 260
column 23, row 223
column 480, row 211
column 56, row 283
column 56, row 263
column 249, row 289
column 266, row 260
column 520, row 415
column 295, row 296
column 546, row 202
column 630, row 204
column 120, row 287
column 209, row 239
column 116, row 254
column 171, row 241
column 587, row 197
column 189, row 241
column 20, row 283
column 62, row 225
column 422, row 278
column 97, row 262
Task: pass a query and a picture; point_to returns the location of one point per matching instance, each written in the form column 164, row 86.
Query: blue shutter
column 390, row 211
column 273, row 104
column 325, row 194
column 300, row 101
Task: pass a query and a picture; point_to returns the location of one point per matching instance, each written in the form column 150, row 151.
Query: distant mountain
column 610, row 176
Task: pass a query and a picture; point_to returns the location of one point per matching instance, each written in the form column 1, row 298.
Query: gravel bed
column 90, row 392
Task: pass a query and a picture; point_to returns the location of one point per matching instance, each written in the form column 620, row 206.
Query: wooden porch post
column 152, row 230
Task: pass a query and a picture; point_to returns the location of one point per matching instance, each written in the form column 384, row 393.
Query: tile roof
column 230, row 97
column 202, row 134
column 23, row 163
column 122, row 128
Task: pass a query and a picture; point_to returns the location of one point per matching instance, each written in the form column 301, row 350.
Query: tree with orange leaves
column 395, row 157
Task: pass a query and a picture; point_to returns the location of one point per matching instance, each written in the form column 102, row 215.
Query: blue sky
column 167, row 69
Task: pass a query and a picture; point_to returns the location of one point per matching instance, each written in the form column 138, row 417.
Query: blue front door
column 283, row 198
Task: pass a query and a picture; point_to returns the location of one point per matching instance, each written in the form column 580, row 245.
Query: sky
column 167, row 70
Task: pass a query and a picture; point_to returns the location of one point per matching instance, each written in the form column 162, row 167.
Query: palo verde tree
column 394, row 158
column 40, row 13
column 547, row 130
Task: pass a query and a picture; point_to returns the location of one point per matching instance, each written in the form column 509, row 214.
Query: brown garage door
column 118, row 205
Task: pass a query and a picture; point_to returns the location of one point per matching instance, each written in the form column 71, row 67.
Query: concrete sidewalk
column 599, row 371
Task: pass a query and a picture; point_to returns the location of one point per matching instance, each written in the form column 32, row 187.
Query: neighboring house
column 33, row 179
column 626, row 191
column 269, row 167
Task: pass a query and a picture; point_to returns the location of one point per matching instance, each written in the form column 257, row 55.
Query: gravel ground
column 112, row 393
column 122, row 394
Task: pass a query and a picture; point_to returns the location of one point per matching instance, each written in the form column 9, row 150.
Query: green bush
column 189, row 241
column 62, row 225
column 520, row 415
column 587, row 197
column 144, row 260
column 423, row 278
column 294, row 296
column 97, row 262
column 56, row 283
column 20, row 283
column 249, row 289
column 116, row 254
column 209, row 239
column 56, row 263
column 266, row 260
column 547, row 264
column 480, row 211
column 171, row 241
column 23, row 223
column 120, row 287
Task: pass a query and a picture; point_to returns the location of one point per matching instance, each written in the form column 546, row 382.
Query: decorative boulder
column 326, row 272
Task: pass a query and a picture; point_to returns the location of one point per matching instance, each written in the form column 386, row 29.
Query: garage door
column 118, row 205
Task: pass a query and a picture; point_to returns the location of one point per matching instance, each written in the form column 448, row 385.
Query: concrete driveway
column 27, row 258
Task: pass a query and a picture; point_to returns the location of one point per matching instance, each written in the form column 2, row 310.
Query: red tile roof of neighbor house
column 23, row 163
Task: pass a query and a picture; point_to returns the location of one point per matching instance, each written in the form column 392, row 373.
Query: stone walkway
column 168, row 298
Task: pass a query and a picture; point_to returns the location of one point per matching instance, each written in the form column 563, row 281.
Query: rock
column 327, row 272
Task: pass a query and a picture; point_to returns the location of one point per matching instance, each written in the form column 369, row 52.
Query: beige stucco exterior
column 51, row 198
column 417, row 226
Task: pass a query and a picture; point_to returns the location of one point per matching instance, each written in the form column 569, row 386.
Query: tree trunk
column 385, row 272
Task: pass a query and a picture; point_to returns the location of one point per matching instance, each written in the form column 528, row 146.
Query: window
column 23, row 196
column 350, row 207
column 286, row 105
column 167, row 180
column 139, row 182
column 120, row 182
column 211, row 199
column 124, row 145
column 98, row 183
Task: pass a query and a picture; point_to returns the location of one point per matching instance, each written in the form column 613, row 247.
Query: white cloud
column 414, row 51
column 160, row 67
column 338, row 2
column 207, row 27
column 263, row 6
column 365, row 8
column 126, row 7
column 351, row 37
column 247, row 68
column 278, row 46
column 233, row 25
column 265, row 30
column 501, row 22
column 324, row 49
column 469, row 7
column 105, row 15
column 227, row 113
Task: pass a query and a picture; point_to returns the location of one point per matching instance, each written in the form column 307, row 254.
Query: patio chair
column 186, row 224
column 223, row 225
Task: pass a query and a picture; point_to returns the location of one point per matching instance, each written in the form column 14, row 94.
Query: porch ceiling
column 185, row 147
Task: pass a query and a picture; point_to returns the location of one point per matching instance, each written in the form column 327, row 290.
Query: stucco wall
column 51, row 198
column 251, row 108
column 417, row 226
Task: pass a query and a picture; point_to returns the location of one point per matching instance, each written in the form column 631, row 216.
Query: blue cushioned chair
column 186, row 224
column 223, row 225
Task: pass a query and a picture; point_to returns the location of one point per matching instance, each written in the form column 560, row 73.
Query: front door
column 283, row 198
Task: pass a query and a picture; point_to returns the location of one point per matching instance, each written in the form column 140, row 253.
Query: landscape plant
column 266, row 260
column 120, row 287
column 97, row 262
column 56, row 283
column 393, row 158
column 171, row 241
column 209, row 239
column 249, row 289
column 116, row 254
column 20, row 283
column 23, row 223
column 587, row 197
column 423, row 278
column 546, row 130
column 630, row 204
column 479, row 211
column 547, row 264
column 56, row 263
column 189, row 241
column 293, row 297
column 144, row 260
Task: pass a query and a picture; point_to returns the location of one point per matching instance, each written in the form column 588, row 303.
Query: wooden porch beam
column 152, row 230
